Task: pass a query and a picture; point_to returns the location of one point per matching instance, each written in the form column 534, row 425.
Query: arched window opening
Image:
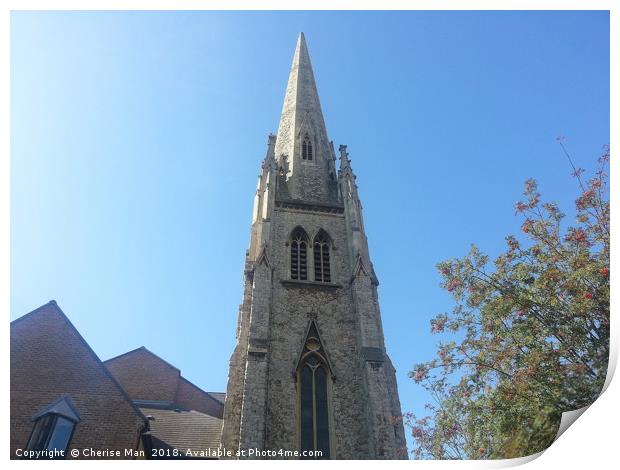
column 299, row 258
column 321, row 258
column 313, row 374
column 306, row 148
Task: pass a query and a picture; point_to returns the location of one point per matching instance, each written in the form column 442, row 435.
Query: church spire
column 302, row 137
column 309, row 289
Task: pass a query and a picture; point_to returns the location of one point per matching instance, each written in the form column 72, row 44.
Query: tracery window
column 321, row 257
column 299, row 255
column 313, row 376
column 306, row 148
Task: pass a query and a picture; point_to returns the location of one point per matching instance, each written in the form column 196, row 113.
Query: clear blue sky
column 137, row 138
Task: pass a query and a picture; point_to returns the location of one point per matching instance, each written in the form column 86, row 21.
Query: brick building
column 61, row 392
column 146, row 377
column 135, row 405
column 182, row 416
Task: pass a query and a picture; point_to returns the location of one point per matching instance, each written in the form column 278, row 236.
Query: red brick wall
column 144, row 376
column 49, row 359
column 191, row 397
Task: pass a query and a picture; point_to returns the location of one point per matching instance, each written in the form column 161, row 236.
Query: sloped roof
column 219, row 396
column 142, row 349
column 64, row 406
column 52, row 308
column 145, row 383
column 183, row 429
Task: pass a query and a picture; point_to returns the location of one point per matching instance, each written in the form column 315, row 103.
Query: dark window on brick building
column 53, row 429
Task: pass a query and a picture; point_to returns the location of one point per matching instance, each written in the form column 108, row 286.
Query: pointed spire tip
column 301, row 41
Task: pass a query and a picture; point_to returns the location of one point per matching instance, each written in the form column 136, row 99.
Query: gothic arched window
column 299, row 255
column 313, row 376
column 306, row 148
column 321, row 257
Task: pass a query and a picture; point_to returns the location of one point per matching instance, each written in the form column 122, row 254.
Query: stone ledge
column 372, row 354
column 310, row 284
column 325, row 207
column 257, row 352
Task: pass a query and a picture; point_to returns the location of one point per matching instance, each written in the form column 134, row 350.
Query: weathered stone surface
column 262, row 408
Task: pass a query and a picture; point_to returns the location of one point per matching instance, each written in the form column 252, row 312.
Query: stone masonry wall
column 294, row 305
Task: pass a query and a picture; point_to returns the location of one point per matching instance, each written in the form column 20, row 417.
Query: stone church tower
column 310, row 370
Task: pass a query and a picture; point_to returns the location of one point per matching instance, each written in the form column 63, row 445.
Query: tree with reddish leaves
column 529, row 332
